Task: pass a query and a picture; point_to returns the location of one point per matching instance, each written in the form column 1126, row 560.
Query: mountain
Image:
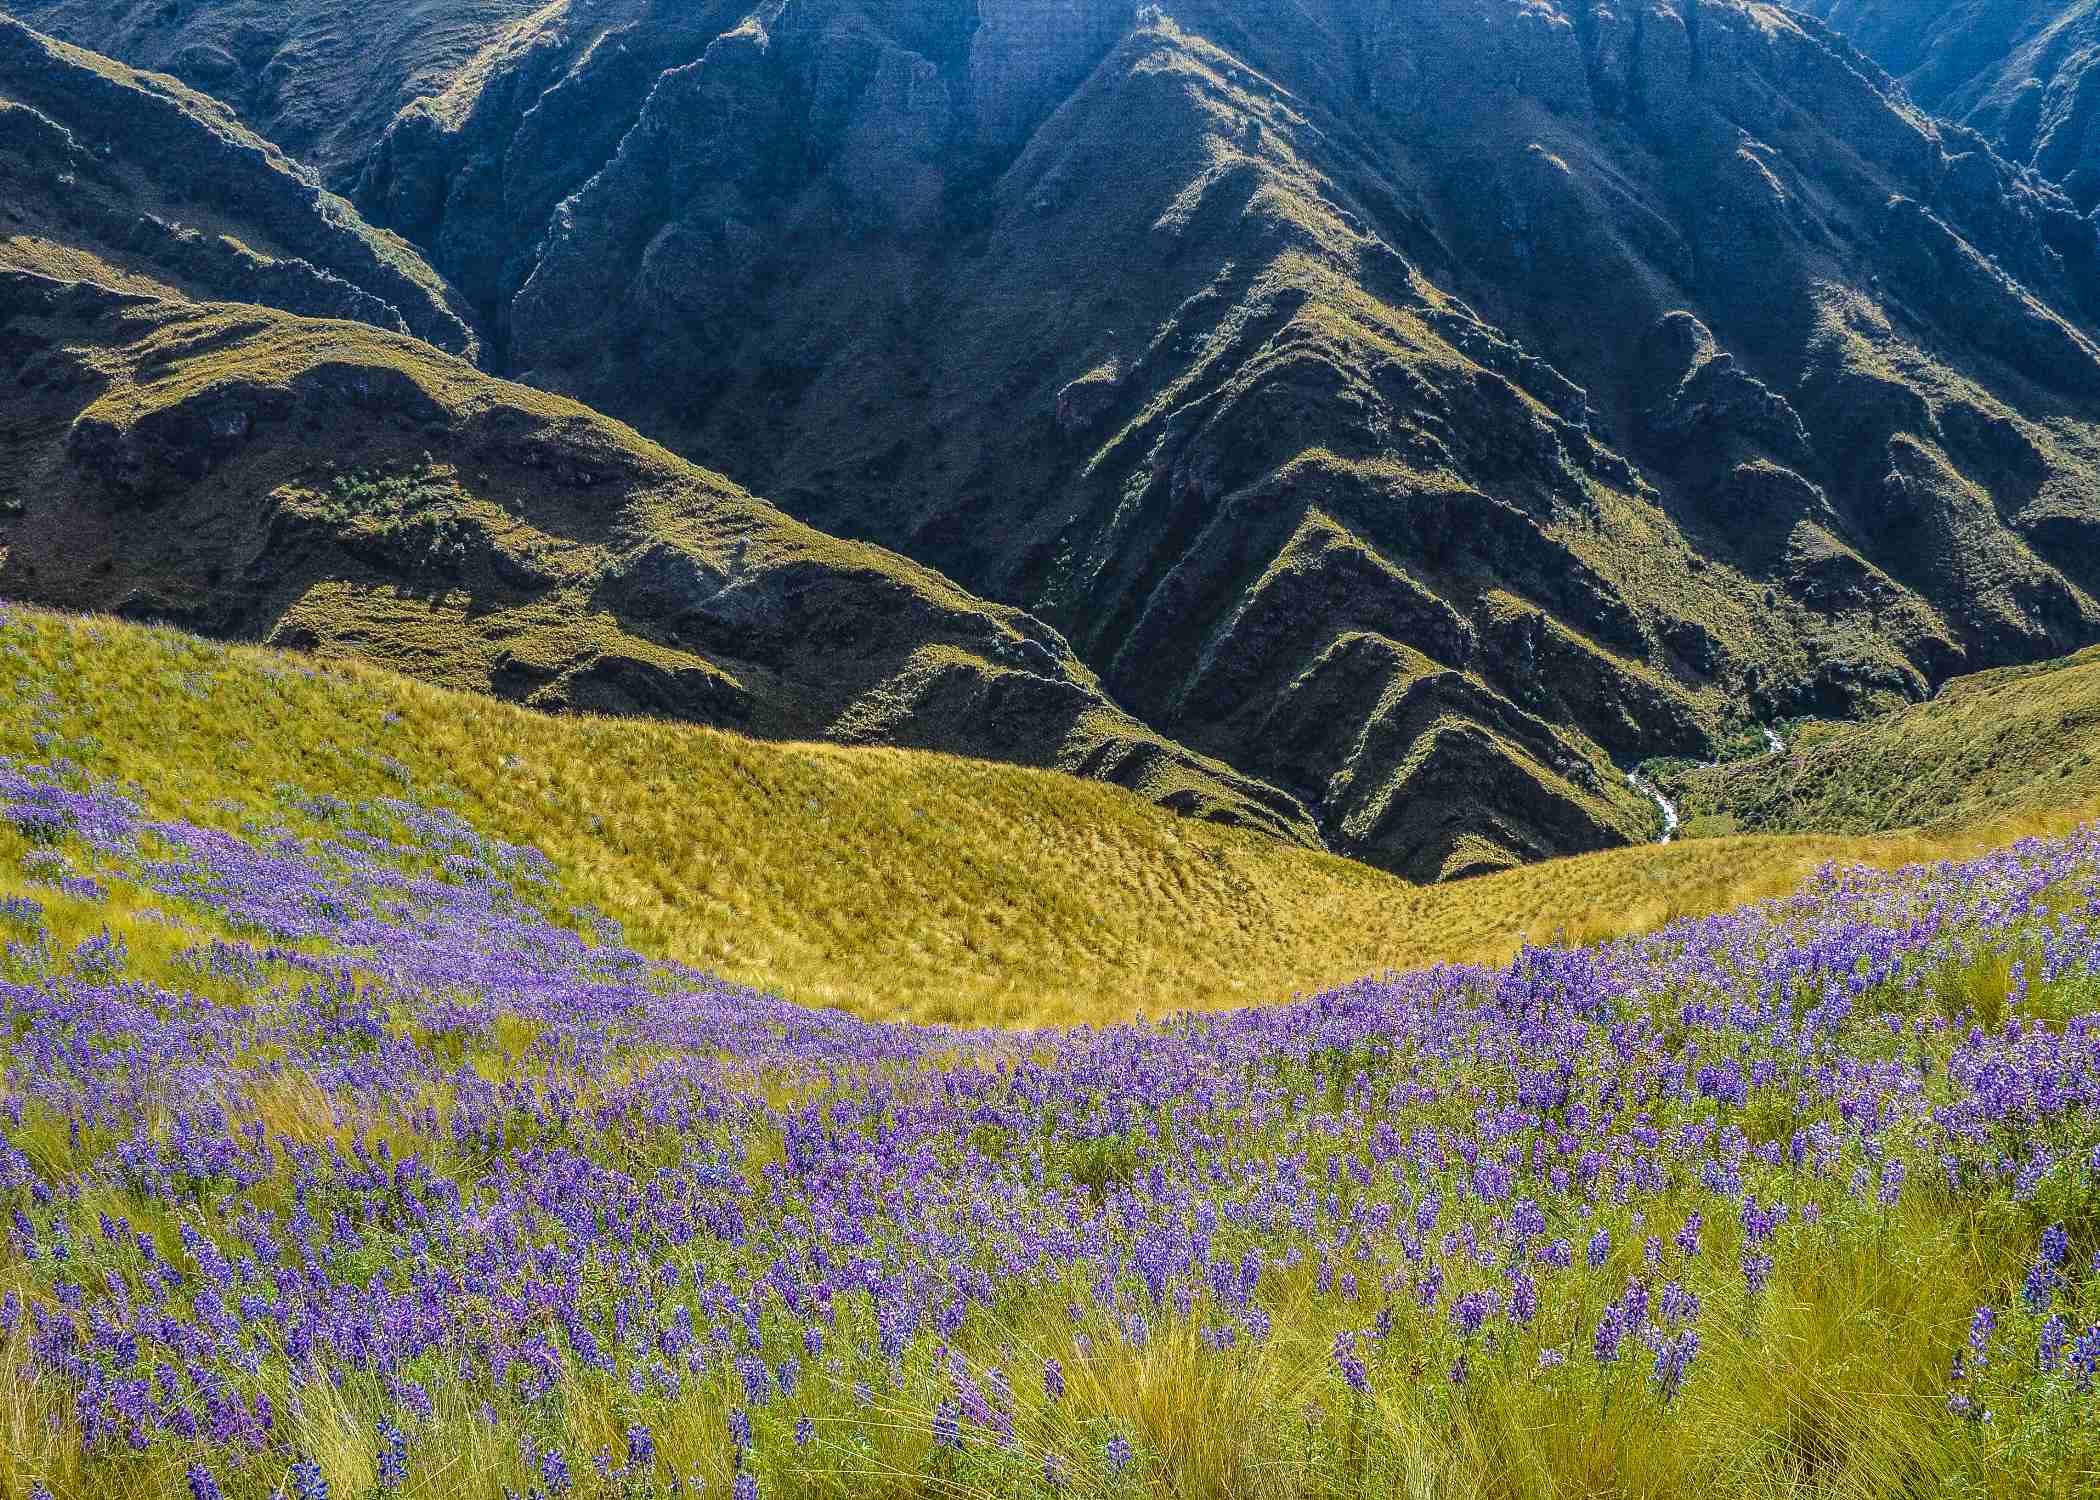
column 179, row 441
column 320, row 78
column 133, row 179
column 2017, row 71
column 1426, row 409
column 325, row 485
column 2019, row 738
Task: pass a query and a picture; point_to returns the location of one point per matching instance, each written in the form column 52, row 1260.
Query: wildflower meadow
column 341, row 1159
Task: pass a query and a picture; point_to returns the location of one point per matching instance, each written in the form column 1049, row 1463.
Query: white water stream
column 1671, row 821
column 1649, row 789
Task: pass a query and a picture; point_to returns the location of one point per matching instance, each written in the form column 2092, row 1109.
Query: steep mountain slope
column 132, row 178
column 2023, row 738
column 320, row 78
column 2022, row 72
column 1423, row 407
column 167, row 453
column 326, row 485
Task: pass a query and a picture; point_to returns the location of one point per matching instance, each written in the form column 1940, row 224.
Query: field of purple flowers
column 340, row 1160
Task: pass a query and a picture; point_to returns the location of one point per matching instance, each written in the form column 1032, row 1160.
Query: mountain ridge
column 1485, row 398
column 1329, row 412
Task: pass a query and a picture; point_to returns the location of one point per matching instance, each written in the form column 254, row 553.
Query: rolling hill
column 897, row 884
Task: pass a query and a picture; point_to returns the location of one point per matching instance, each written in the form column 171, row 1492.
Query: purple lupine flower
column 1673, row 1357
column 1757, row 1272
column 1119, row 1454
column 1523, row 1298
column 1600, row 1248
column 1470, row 1312
column 947, row 1425
column 1611, row 1328
column 745, row 1488
column 2056, row 1246
column 2085, row 1358
column 1687, row 1236
column 1054, row 1378
column 2049, row 1347
column 2039, row 1290
column 641, row 1448
column 805, row 1431
column 393, row 1456
column 1981, row 1327
column 202, row 1485
column 1348, row 1365
column 554, row 1472
column 307, row 1481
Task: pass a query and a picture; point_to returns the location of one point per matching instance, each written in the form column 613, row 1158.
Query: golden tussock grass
column 897, row 884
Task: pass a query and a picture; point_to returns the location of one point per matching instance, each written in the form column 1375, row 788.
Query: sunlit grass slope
column 893, row 883
column 331, row 1170
column 2022, row 739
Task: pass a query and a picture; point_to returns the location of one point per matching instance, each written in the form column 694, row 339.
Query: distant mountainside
column 2021, row 72
column 2019, row 738
column 320, row 78
column 1428, row 410
column 1422, row 408
column 150, row 186
column 178, row 442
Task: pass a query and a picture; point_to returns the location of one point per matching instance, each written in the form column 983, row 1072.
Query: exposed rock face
column 2024, row 74
column 1424, row 407
column 318, row 485
column 123, row 174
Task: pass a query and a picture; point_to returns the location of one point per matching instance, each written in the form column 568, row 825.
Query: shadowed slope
column 1425, row 408
column 320, row 78
column 137, row 181
column 2021, row 72
column 325, row 485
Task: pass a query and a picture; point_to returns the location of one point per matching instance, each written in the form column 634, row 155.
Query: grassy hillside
column 894, row 883
column 328, row 485
column 133, row 180
column 2022, row 738
column 343, row 1160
